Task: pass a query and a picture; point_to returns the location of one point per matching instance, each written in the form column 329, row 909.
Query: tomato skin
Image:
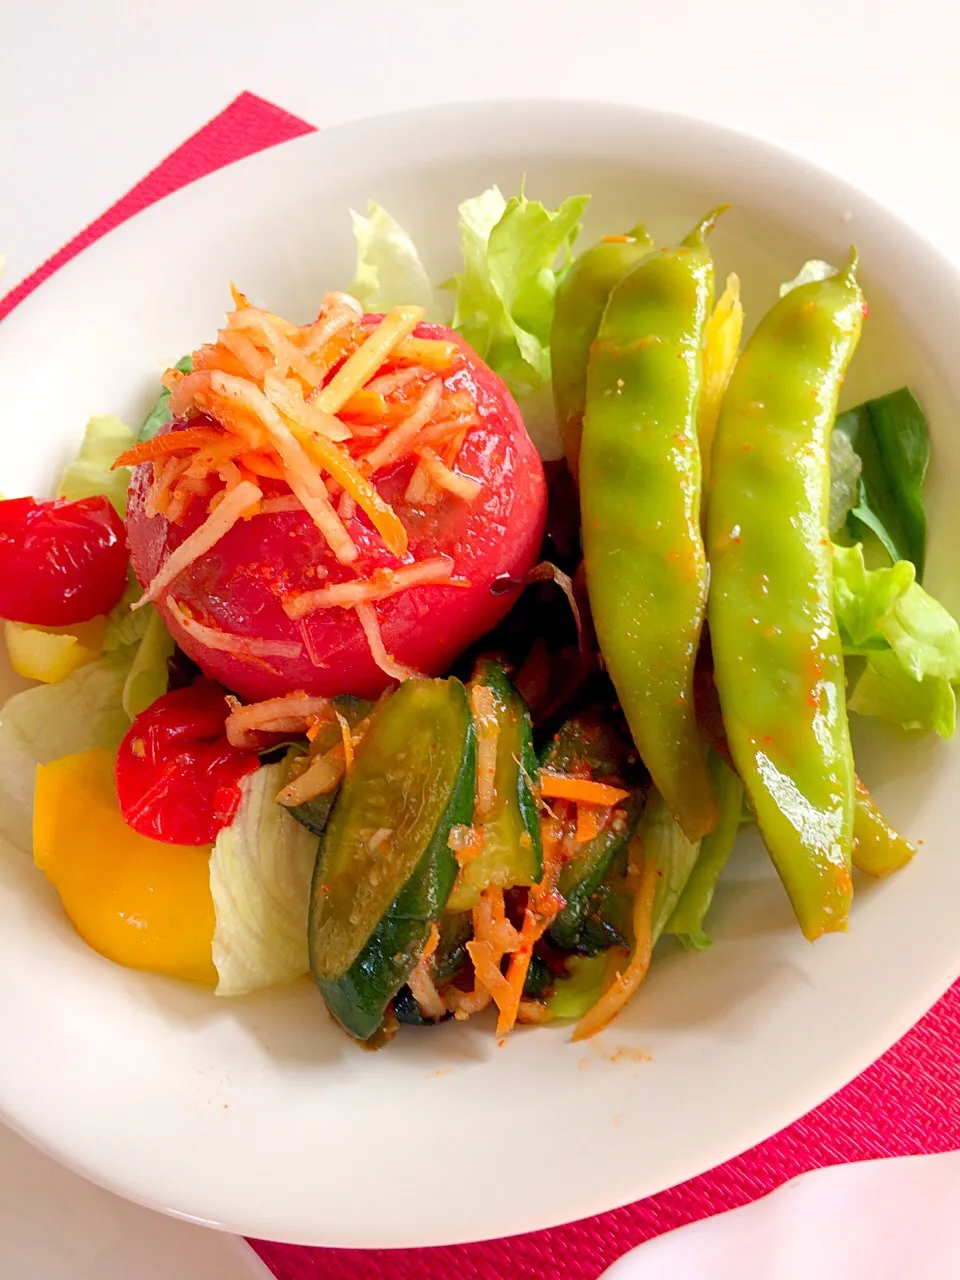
column 60, row 562
column 237, row 586
column 178, row 778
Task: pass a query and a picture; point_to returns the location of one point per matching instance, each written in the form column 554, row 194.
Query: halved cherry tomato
column 178, row 778
column 60, row 562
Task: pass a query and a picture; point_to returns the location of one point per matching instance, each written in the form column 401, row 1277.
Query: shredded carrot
column 581, row 790
column 347, row 742
column 367, row 405
column 185, row 441
column 543, row 906
column 589, row 823
column 261, row 464
column 625, row 984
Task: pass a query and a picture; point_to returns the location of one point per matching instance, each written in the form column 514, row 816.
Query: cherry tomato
column 178, row 778
column 60, row 562
column 237, row 587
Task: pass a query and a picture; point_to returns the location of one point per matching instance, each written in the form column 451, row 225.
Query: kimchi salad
column 438, row 644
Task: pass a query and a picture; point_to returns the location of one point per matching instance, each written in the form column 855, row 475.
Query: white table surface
column 92, row 96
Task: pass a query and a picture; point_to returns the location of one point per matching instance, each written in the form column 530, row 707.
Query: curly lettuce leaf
column 260, row 874
column 160, row 414
column 891, row 438
column 845, row 471
column 90, row 475
column 53, row 720
column 389, row 271
column 149, row 674
column 888, row 691
column 910, row 641
column 687, row 918
column 515, row 253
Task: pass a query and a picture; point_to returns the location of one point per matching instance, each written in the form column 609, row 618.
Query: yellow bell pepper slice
column 50, row 654
column 138, row 902
column 720, row 351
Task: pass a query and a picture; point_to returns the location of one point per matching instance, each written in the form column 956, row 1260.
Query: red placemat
column 907, row 1103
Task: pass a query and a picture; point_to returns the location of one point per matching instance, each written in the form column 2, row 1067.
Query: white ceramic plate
column 258, row 1115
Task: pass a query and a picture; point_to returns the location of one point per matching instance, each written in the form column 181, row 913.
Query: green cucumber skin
column 565, row 930
column 589, row 739
column 358, row 998
column 493, row 674
column 314, row 814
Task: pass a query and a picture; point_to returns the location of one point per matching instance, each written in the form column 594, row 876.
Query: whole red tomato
column 60, row 562
column 178, row 778
column 237, row 587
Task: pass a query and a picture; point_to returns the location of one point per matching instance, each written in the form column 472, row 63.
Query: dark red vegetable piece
column 60, row 562
column 178, row 778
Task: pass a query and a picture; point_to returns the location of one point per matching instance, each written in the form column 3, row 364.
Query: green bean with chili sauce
column 640, row 506
column 578, row 310
column 877, row 848
column 777, row 656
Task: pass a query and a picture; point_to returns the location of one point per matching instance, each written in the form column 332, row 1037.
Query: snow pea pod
column 640, row 505
column 578, row 310
column 877, row 848
column 776, row 646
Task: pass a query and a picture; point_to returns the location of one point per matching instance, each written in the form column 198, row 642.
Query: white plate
column 258, row 1115
column 881, row 1220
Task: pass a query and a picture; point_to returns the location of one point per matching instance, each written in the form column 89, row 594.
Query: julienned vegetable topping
column 331, row 504
column 338, row 722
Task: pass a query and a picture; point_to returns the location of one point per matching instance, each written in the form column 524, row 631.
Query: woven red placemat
column 907, row 1103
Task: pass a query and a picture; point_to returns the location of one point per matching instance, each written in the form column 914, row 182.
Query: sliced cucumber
column 588, row 741
column 385, row 869
column 314, row 814
column 512, row 852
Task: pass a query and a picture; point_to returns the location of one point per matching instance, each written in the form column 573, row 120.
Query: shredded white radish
column 484, row 706
column 335, row 298
column 276, row 335
column 239, row 344
column 454, row 482
column 323, row 775
column 288, row 398
column 314, row 500
column 184, row 390
column 390, row 382
column 367, row 614
column 326, row 327
column 367, row 359
column 420, row 490
column 295, row 712
column 227, row 642
column 396, row 442
column 381, row 584
column 232, row 508
column 424, row 990
column 347, row 506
